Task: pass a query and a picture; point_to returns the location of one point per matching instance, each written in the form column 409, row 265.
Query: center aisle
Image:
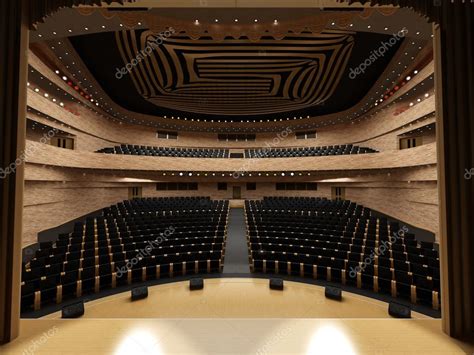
column 236, row 250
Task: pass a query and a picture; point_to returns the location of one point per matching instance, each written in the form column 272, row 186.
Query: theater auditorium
column 236, row 177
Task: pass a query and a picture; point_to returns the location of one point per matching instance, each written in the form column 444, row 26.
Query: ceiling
column 233, row 65
column 301, row 74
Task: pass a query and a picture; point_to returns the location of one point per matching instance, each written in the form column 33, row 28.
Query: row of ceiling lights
column 392, row 91
column 187, row 174
column 248, row 121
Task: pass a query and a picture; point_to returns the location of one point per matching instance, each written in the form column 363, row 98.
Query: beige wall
column 62, row 185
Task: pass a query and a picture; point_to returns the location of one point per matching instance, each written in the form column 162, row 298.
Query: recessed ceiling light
column 236, row 20
column 69, row 30
column 103, row 26
column 36, row 90
column 369, row 26
column 275, row 22
column 216, row 20
column 139, row 24
column 56, row 71
column 255, row 20
column 408, row 78
column 196, row 22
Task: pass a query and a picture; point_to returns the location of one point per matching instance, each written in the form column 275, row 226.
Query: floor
column 236, row 251
column 235, row 316
column 236, row 298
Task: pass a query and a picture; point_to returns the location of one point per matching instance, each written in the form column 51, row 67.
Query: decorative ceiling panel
column 237, row 77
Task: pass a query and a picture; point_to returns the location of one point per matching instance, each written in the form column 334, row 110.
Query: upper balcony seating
column 340, row 241
column 133, row 241
column 307, row 151
column 166, row 152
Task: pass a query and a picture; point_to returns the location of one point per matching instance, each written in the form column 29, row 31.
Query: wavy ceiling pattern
column 235, row 77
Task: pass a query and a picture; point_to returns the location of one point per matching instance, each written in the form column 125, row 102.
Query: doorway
column 236, row 193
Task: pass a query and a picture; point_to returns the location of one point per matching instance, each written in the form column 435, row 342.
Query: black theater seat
column 337, row 241
column 108, row 251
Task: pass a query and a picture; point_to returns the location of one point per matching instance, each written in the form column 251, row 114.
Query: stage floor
column 234, row 316
column 236, row 298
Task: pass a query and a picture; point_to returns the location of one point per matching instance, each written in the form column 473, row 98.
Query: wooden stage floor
column 234, row 316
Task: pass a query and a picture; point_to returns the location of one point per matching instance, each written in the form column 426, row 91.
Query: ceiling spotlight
column 57, row 71
column 86, row 28
column 196, row 22
column 46, row 95
column 408, row 78
column 333, row 23
column 216, row 20
column 415, row 72
column 61, row 104
column 64, row 78
column 70, row 31
column 255, row 20
column 121, row 25
column 411, row 104
column 386, row 28
column 369, row 26
column 275, row 22
column 54, row 100
column 139, row 24
column 236, row 20
column 54, row 33
column 37, row 90
column 426, row 95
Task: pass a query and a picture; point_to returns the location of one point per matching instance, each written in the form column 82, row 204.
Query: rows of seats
column 133, row 241
column 307, row 151
column 166, row 151
column 340, row 241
